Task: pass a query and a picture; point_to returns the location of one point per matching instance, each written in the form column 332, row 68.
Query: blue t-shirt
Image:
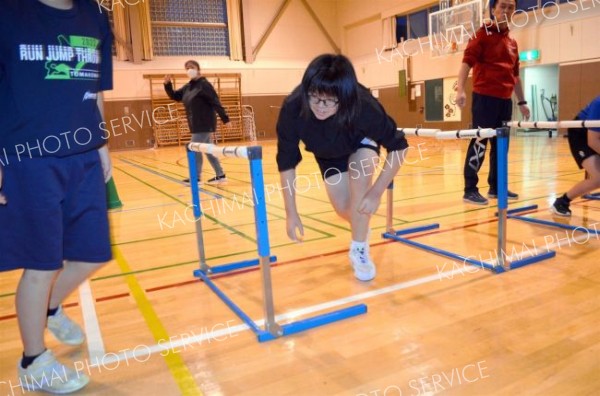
column 52, row 65
column 591, row 112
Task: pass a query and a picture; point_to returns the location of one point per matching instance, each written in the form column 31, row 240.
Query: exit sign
column 531, row 55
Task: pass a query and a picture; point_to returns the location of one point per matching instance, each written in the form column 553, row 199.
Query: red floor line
column 277, row 264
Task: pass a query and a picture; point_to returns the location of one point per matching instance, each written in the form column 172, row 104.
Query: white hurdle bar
column 554, row 124
column 219, row 151
column 272, row 329
column 502, row 263
column 447, row 135
column 419, row 131
column 466, row 134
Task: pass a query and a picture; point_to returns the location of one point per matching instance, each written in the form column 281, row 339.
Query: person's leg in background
column 503, row 108
column 587, row 159
column 206, row 137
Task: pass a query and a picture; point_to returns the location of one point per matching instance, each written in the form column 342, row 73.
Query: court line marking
column 184, row 341
column 93, row 334
column 176, row 199
column 183, row 377
column 159, row 174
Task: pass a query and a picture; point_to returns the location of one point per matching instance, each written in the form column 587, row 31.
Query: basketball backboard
column 450, row 29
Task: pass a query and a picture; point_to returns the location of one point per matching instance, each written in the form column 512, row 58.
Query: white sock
column 359, row 246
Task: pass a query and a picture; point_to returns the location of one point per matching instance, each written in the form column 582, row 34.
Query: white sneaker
column 47, row 374
column 364, row 268
column 64, row 329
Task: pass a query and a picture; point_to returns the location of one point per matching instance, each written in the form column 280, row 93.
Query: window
column 415, row 24
column 189, row 27
column 418, row 24
column 526, row 5
column 401, row 28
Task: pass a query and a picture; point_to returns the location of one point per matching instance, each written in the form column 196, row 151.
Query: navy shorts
column 333, row 166
column 56, row 211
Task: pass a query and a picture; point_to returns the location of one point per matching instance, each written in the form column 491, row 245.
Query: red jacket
column 494, row 57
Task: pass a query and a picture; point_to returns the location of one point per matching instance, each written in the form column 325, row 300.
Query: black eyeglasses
column 314, row 100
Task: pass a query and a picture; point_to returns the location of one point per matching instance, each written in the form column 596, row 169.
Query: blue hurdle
column 558, row 124
column 272, row 329
column 502, row 264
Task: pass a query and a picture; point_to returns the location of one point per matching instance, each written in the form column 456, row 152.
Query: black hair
column 193, row 62
column 493, row 4
column 331, row 74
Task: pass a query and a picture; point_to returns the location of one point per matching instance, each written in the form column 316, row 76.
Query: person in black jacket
column 343, row 125
column 201, row 102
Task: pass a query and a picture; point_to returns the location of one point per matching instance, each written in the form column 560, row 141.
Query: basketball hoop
column 451, row 28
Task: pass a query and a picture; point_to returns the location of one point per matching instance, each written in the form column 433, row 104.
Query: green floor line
column 196, row 261
column 224, row 197
column 99, row 278
column 233, row 230
column 143, row 164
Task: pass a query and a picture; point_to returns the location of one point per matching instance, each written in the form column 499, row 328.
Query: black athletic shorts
column 579, row 145
column 332, row 166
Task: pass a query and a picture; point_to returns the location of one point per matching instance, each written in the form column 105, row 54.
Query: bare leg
column 338, row 191
column 361, row 179
column 347, row 189
column 592, row 166
column 32, row 304
column 72, row 275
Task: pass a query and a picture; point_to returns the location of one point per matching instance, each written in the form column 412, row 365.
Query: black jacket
column 201, row 102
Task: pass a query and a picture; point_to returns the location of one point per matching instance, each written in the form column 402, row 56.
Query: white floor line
column 141, row 353
column 93, row 334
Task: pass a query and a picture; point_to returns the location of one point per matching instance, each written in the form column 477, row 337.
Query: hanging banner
column 451, row 111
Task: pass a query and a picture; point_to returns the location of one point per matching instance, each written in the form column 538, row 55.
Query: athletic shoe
column 364, row 268
column 510, row 195
column 187, row 180
column 473, row 197
column 64, row 329
column 561, row 207
column 217, row 179
column 47, row 374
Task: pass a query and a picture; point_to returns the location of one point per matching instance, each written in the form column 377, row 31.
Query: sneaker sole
column 474, row 202
column 365, row 279
column 68, row 342
column 557, row 213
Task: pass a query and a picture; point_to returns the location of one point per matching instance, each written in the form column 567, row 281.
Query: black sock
column 51, row 312
column 27, row 360
column 566, row 198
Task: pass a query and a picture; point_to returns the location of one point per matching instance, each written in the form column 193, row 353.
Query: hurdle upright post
column 389, row 217
column 502, row 188
column 193, row 171
column 262, row 237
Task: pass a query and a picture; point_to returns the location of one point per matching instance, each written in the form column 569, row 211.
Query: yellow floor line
column 183, row 377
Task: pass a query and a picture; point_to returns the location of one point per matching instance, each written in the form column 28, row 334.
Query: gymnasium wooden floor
column 154, row 329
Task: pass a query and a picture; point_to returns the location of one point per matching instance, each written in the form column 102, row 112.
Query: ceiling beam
column 274, row 22
column 321, row 27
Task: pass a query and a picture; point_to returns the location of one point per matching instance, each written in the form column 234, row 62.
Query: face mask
column 192, row 73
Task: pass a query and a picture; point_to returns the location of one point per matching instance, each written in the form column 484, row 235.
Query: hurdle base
column 315, row 321
column 519, row 210
column 219, row 269
column 593, row 196
column 279, row 331
column 477, row 263
column 532, row 260
column 555, row 224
